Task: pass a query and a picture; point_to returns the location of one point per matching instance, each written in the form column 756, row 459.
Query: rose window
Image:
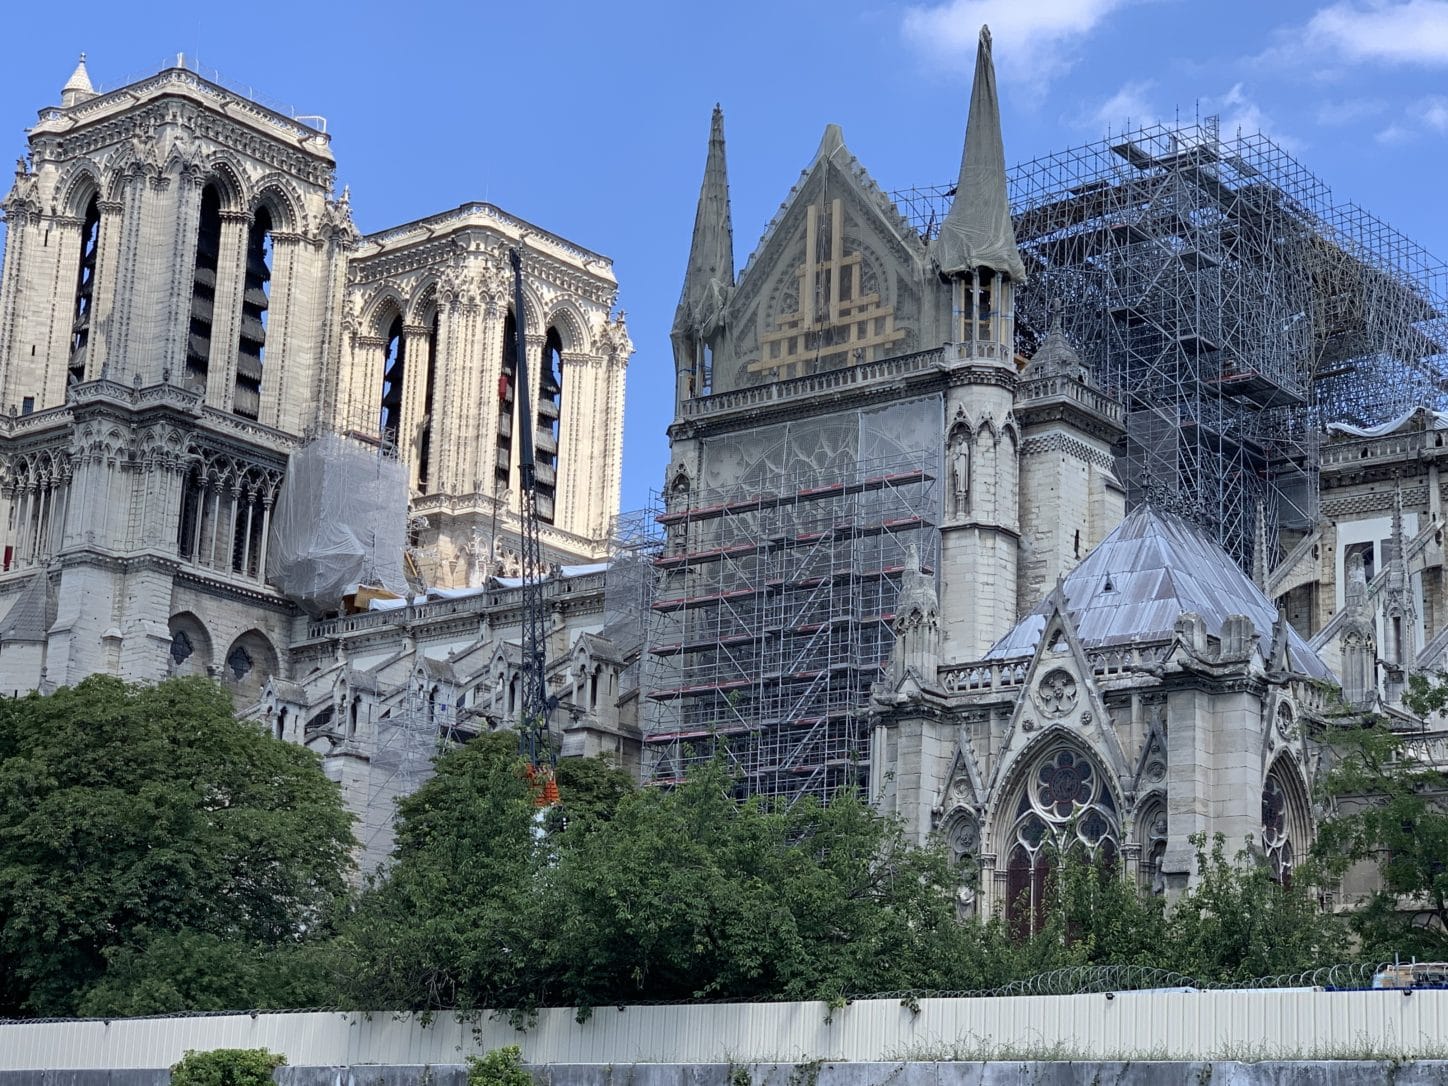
column 1065, row 809
column 1064, row 784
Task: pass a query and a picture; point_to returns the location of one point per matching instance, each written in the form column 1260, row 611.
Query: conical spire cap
column 710, row 273
column 977, row 231
column 78, row 87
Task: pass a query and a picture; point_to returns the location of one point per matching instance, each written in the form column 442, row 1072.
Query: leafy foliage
column 155, row 855
column 452, row 921
column 1389, row 811
column 1238, row 923
column 690, row 894
column 590, row 790
column 226, row 1067
column 500, row 1067
column 139, row 824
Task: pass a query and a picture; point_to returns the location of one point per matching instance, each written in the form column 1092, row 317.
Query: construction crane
column 538, row 704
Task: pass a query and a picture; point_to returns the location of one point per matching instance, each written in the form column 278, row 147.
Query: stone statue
column 960, row 472
column 964, row 902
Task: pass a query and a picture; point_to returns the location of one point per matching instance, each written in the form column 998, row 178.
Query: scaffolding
column 1216, row 288
column 411, row 729
column 772, row 619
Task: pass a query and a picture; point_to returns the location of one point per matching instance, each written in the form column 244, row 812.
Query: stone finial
column 917, row 622
column 1055, row 356
column 1259, row 547
column 78, row 87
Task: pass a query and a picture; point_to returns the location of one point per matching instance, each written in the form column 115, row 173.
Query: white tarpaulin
column 340, row 521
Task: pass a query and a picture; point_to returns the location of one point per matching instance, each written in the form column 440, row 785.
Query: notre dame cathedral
column 904, row 539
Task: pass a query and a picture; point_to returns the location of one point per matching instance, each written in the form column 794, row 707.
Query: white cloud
column 1128, row 108
column 1396, row 31
column 1347, row 111
column 1240, row 114
column 1433, row 112
column 1030, row 37
column 1395, row 134
column 1424, row 115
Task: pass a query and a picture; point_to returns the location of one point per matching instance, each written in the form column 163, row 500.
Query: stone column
column 226, row 317
column 369, row 356
column 285, row 303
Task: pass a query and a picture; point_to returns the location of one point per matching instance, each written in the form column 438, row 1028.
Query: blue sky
column 591, row 119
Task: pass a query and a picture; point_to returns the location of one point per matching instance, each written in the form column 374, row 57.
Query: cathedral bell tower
column 976, row 255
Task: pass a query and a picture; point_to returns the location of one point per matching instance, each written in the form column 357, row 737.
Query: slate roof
column 1142, row 578
column 31, row 617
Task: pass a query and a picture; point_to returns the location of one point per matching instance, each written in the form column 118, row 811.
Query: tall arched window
column 1064, row 809
column 545, row 433
column 251, row 341
column 203, row 288
column 502, row 472
column 1285, row 822
column 90, row 235
column 394, row 369
column 424, row 437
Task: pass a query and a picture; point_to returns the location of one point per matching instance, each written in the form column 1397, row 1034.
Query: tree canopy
column 157, row 855
column 140, row 825
column 1389, row 813
column 623, row 895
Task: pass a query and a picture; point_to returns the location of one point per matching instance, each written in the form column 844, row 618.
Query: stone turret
column 78, row 87
column 976, row 255
column 1073, row 499
column 977, row 231
column 976, row 248
column 917, row 623
column 710, row 275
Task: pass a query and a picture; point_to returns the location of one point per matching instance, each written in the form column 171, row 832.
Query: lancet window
column 545, row 440
column 251, row 341
column 38, row 503
column 226, row 517
column 984, row 308
column 507, row 379
column 394, row 370
column 203, row 288
column 80, row 329
column 1064, row 811
column 1284, row 821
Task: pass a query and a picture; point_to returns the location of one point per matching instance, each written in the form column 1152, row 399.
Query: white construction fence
column 1176, row 1025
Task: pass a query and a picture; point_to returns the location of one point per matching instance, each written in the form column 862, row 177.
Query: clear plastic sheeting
column 340, row 521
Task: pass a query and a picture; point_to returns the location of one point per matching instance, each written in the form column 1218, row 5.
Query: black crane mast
column 537, row 703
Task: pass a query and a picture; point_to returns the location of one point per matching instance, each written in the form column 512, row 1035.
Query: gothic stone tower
column 183, row 303
column 428, row 369
column 171, row 258
column 848, row 400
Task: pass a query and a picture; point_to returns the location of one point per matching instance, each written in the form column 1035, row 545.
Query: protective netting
column 340, row 521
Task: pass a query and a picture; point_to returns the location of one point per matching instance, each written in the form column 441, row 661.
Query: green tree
column 1099, row 917
column 198, row 971
column 690, row 894
column 1388, row 810
column 135, row 814
column 589, row 791
column 227, row 1067
column 1237, row 923
column 450, row 922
